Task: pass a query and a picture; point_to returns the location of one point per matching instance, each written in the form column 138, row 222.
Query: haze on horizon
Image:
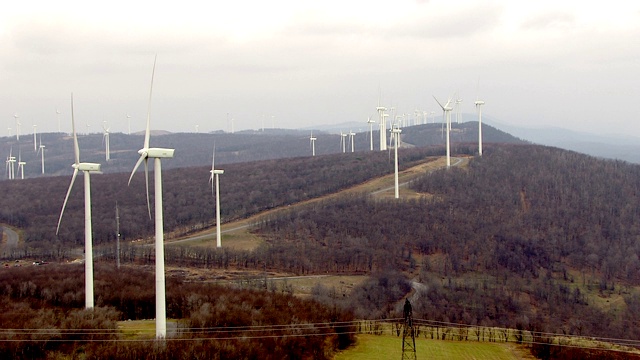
column 294, row 64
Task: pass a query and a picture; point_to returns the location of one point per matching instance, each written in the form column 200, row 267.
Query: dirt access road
column 381, row 187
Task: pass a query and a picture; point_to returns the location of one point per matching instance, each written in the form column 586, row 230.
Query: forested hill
column 33, row 205
column 196, row 149
column 528, row 236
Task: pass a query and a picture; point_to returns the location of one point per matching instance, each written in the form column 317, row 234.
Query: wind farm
column 375, row 201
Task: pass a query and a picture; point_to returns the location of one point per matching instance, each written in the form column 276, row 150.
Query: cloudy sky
column 572, row 64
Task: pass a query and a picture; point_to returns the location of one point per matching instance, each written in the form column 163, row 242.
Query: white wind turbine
column 41, row 150
column 156, row 154
column 58, row 116
column 479, row 104
column 35, row 142
column 129, row 124
column 217, row 173
column 17, row 126
column 105, row 139
column 343, row 141
column 7, row 169
column 383, row 126
column 370, row 122
column 12, row 164
column 87, row 169
column 458, row 102
column 312, row 142
column 395, row 132
column 446, row 114
column 352, row 140
column 21, row 164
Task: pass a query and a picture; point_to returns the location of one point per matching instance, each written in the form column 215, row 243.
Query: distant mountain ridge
column 194, row 149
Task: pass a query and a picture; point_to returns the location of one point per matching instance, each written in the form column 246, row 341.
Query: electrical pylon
column 408, row 334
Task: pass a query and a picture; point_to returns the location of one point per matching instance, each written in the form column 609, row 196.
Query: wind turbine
column 18, row 123
column 41, row 150
column 58, row 116
column 479, row 104
column 370, row 122
column 156, row 154
column 35, row 142
column 312, row 142
column 7, row 169
column 343, row 141
column 383, row 125
column 21, row 164
column 446, row 114
column 87, row 169
column 352, row 140
column 105, row 139
column 217, row 173
column 12, row 163
column 458, row 102
column 129, row 124
column 395, row 132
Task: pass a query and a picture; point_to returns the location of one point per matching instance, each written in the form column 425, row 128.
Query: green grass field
column 383, row 347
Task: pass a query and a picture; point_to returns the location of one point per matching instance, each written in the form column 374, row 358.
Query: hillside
column 528, row 236
column 33, row 205
column 195, row 149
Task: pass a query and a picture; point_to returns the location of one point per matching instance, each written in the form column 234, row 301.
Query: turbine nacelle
column 93, row 167
column 216, row 172
column 157, row 152
column 479, row 102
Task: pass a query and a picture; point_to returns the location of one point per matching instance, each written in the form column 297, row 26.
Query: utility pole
column 117, row 236
column 408, row 334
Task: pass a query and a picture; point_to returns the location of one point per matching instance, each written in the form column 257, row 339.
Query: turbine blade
column 147, row 132
column 142, row 157
column 146, row 183
column 73, row 179
column 76, row 149
column 438, row 102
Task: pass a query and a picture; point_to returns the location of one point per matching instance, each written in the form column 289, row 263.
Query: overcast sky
column 573, row 64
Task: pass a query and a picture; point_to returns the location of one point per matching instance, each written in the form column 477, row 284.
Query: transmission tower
column 408, row 334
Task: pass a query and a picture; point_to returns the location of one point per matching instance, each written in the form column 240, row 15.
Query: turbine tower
column 105, row 140
column 312, row 142
column 343, row 141
column 129, row 124
column 446, row 114
column 156, row 154
column 458, row 102
column 58, row 116
column 21, row 164
column 87, row 169
column 17, row 126
column 383, row 126
column 12, row 164
column 352, row 140
column 370, row 122
column 35, row 142
column 395, row 132
column 217, row 173
column 7, row 169
column 479, row 104
column 41, row 150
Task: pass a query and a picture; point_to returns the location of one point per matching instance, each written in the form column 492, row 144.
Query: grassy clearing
column 303, row 285
column 373, row 347
column 137, row 329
